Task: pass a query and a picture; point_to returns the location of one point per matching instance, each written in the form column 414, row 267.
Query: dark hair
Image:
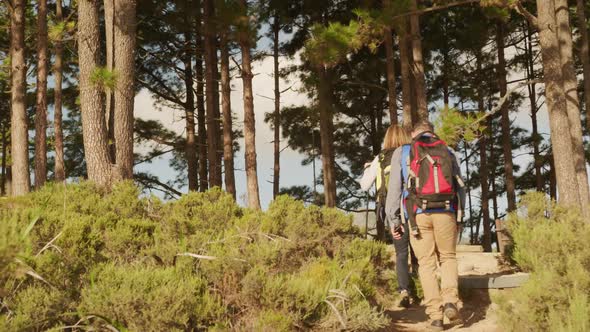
column 422, row 126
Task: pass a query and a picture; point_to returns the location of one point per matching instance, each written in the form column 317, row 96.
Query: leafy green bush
column 555, row 251
column 78, row 256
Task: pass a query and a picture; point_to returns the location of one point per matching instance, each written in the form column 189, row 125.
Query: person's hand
column 397, row 233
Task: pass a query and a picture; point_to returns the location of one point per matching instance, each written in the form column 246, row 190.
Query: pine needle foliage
column 550, row 244
column 77, row 256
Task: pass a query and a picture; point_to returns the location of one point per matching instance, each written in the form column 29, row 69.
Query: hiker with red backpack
column 425, row 200
column 378, row 172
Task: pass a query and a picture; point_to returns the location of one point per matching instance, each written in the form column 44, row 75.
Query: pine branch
column 528, row 15
column 435, row 8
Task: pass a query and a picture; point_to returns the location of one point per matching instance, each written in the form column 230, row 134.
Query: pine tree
column 584, row 55
column 21, row 182
column 59, row 171
column 41, row 105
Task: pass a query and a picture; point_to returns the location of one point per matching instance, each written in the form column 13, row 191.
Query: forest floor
column 477, row 312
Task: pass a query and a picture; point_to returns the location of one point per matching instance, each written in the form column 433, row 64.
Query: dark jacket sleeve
column 457, row 172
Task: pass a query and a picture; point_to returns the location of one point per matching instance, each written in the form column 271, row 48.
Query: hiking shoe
column 405, row 301
column 450, row 310
column 436, row 325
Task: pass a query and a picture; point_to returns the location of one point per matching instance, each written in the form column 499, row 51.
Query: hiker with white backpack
column 377, row 172
column 425, row 199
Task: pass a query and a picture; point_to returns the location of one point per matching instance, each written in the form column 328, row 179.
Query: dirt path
column 477, row 312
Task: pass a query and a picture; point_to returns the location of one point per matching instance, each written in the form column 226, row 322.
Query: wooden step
column 493, row 281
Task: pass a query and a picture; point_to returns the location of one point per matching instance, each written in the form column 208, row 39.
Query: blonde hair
column 395, row 137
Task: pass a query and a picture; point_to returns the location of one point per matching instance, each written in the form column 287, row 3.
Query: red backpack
column 431, row 182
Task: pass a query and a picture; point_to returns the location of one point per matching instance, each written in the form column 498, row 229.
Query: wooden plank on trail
column 469, row 248
column 493, row 281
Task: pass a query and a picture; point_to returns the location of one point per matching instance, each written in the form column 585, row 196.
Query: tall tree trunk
column 60, row 173
column 4, row 159
column 584, row 56
column 570, row 84
column 21, row 182
column 41, row 105
column 109, row 22
column 210, row 83
column 249, row 119
column 190, row 149
column 277, row 114
column 505, row 122
column 565, row 170
column 492, row 166
column 124, row 58
column 406, row 75
column 91, row 99
column 552, row 179
column 201, row 117
column 484, row 169
column 228, row 142
column 418, row 64
column 536, row 138
column 391, row 84
column 327, row 135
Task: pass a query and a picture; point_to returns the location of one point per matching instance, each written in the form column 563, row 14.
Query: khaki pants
column 438, row 237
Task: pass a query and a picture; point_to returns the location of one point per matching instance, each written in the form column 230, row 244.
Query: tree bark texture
column 210, row 83
column 404, row 56
column 201, row 113
column 4, row 159
column 570, row 84
column 391, row 84
column 484, row 170
column 21, row 182
column 124, row 94
column 91, row 99
column 565, row 171
column 418, row 64
column 190, row 148
column 60, row 173
column 327, row 135
column 249, row 121
column 277, row 112
column 41, row 102
column 536, row 138
column 505, row 122
column 228, row 142
column 584, row 56
column 109, row 22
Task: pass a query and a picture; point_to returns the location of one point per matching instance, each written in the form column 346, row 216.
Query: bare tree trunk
column 91, row 99
column 125, row 31
column 228, row 142
column 563, row 151
column 484, row 170
column 505, row 122
column 536, row 138
column 405, row 73
column 277, row 116
column 201, row 117
column 391, row 84
column 584, row 55
column 210, row 83
column 552, row 180
column 249, row 119
column 41, row 105
column 327, row 135
column 4, row 159
column 418, row 64
column 492, row 167
column 190, row 149
column 570, row 84
column 60, row 173
column 21, row 182
column 109, row 22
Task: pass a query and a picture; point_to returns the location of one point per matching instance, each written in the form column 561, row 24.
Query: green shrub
column 112, row 259
column 150, row 298
column 554, row 250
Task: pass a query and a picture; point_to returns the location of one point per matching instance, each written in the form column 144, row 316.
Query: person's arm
column 457, row 172
column 369, row 175
column 394, row 190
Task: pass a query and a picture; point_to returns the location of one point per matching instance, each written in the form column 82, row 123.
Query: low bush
column 77, row 257
column 550, row 242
